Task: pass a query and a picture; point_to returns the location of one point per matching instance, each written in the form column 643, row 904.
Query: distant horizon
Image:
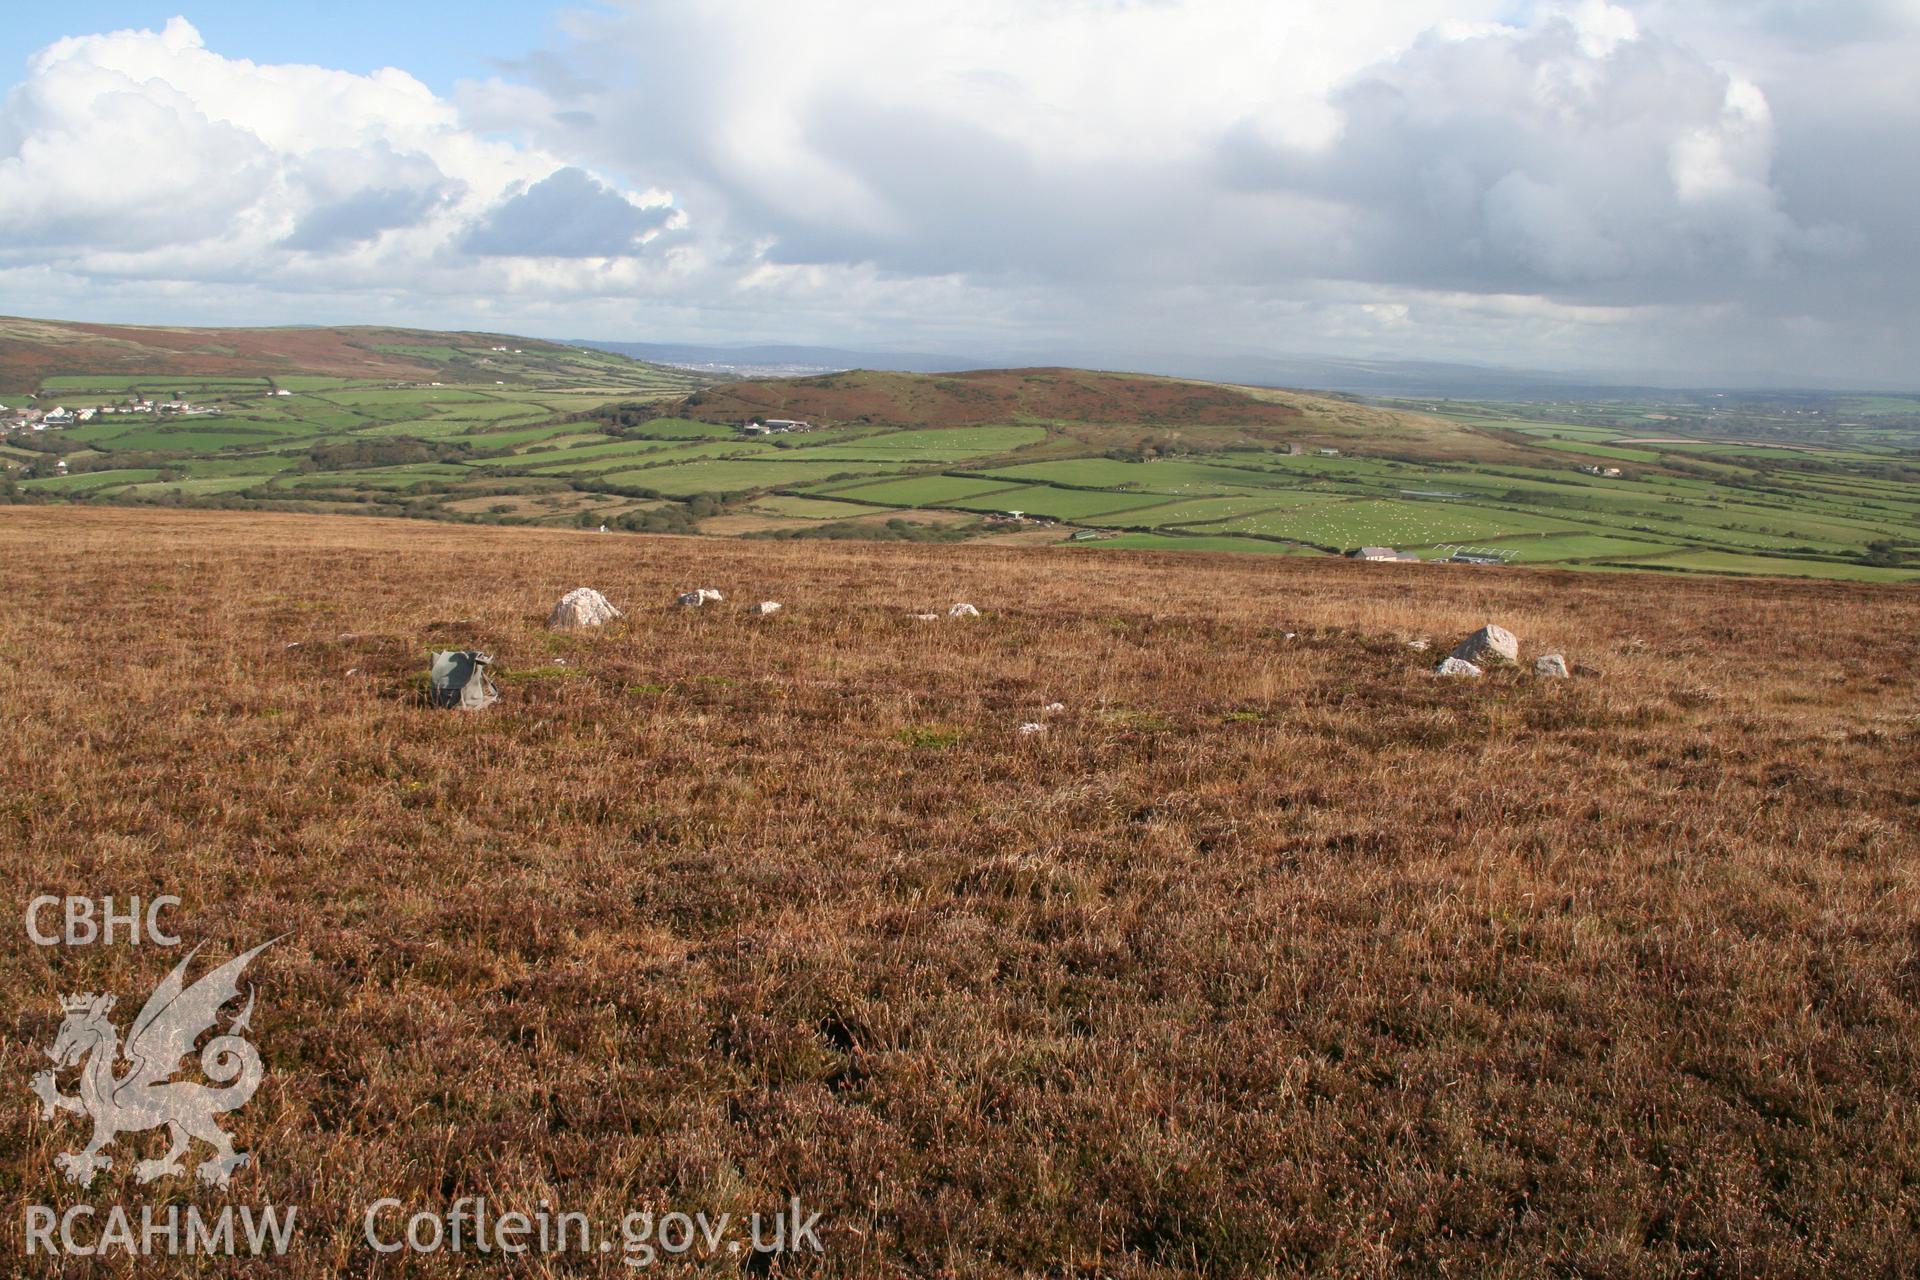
column 1172, row 364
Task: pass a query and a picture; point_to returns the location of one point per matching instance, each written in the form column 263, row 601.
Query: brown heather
column 1271, row 957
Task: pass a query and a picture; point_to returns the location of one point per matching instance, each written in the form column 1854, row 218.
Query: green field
column 577, row 437
column 717, row 475
column 1165, row 476
column 1062, row 504
column 1562, row 548
column 951, row 444
column 86, row 481
column 920, row 491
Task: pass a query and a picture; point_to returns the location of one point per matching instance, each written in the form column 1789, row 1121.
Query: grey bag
column 459, row 679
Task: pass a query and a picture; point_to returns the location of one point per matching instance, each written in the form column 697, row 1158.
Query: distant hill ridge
column 32, row 350
column 988, row 396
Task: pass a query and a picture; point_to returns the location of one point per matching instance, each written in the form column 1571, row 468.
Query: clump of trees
column 1889, row 555
column 352, row 455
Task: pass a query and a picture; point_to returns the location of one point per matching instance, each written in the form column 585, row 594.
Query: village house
column 1383, row 553
column 1329, row 453
column 186, row 408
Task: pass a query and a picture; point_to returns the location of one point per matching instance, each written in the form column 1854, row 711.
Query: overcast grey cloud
column 356, row 195
column 1683, row 186
column 568, row 214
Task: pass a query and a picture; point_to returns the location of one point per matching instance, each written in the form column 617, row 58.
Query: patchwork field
column 1270, row 955
column 564, row 436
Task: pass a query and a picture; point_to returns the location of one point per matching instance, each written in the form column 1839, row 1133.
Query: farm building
column 1382, row 553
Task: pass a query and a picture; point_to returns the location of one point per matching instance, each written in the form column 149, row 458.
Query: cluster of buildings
column 183, row 407
column 1479, row 555
column 774, row 426
column 1450, row 555
column 12, row 420
column 1595, row 470
column 26, row 419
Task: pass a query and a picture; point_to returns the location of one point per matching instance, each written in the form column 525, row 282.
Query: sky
column 1720, row 191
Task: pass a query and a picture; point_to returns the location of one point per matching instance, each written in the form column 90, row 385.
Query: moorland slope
column 1270, row 955
column 33, row 351
column 986, row 396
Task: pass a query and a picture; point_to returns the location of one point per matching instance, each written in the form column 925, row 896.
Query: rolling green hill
column 494, row 429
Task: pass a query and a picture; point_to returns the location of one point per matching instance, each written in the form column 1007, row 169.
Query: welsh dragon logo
column 146, row 1096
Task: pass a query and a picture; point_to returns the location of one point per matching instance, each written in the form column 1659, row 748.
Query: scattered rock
column 1490, row 644
column 459, row 679
column 1033, row 727
column 926, row 617
column 694, row 599
column 1582, row 669
column 1420, row 646
column 1550, row 664
column 1456, row 667
column 1289, row 635
column 582, row 607
column 764, row 608
column 963, row 610
column 1054, row 708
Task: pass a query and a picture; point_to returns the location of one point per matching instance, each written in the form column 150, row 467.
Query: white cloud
column 1081, row 152
column 145, row 154
column 1612, row 177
